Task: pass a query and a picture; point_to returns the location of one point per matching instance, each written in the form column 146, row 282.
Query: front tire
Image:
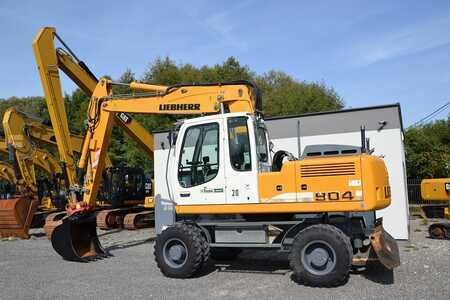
column 180, row 250
column 321, row 256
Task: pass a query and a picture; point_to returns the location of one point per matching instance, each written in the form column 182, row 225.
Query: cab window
column 199, row 162
column 261, row 144
column 239, row 144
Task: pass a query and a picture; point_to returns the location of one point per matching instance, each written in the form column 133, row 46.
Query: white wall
column 388, row 144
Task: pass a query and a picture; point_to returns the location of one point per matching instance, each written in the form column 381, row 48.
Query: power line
column 431, row 115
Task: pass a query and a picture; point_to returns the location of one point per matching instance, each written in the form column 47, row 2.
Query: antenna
column 299, row 145
column 363, row 139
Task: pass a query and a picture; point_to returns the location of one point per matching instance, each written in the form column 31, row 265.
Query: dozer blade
column 16, row 216
column 385, row 247
column 75, row 239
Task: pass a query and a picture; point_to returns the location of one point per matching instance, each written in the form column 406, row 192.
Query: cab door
column 241, row 161
column 199, row 170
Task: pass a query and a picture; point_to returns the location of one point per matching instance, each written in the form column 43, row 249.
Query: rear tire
column 321, row 256
column 221, row 254
column 180, row 250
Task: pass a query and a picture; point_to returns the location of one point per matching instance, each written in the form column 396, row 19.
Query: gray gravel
column 30, row 269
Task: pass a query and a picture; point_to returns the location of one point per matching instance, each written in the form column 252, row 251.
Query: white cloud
column 222, row 23
column 405, row 41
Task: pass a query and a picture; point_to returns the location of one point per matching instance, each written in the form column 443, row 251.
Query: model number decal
column 334, row 196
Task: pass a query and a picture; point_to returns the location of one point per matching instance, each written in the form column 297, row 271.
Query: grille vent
column 322, row 170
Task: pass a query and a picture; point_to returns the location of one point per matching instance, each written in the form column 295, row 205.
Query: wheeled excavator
column 223, row 196
column 49, row 60
column 438, row 189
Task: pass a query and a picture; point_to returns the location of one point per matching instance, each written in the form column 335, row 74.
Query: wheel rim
column 175, row 253
column 318, row 257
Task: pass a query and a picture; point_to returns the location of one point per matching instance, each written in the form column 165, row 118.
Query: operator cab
column 215, row 159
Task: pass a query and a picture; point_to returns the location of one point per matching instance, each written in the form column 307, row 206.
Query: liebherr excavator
column 222, row 195
column 49, row 59
column 218, row 174
column 438, row 189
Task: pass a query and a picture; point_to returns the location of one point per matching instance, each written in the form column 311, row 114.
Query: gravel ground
column 30, row 269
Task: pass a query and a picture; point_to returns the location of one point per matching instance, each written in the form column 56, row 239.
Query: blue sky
column 370, row 52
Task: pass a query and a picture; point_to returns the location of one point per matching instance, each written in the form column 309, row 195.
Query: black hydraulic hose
column 80, row 62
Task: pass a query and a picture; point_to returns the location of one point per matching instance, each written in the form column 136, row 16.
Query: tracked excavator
column 438, row 189
column 125, row 191
column 23, row 132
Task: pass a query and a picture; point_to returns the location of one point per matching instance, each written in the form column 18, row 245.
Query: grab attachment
column 75, row 239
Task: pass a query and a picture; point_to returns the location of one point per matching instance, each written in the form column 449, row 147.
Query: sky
column 370, row 52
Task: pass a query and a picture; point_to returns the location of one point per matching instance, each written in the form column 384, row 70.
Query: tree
column 282, row 95
column 428, row 150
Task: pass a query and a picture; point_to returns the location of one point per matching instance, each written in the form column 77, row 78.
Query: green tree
column 283, row 95
column 428, row 150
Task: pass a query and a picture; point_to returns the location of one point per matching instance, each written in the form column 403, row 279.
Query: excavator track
column 114, row 218
column 138, row 220
column 433, row 211
column 439, row 231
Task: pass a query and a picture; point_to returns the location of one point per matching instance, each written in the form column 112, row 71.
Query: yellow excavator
column 35, row 198
column 23, row 132
column 222, row 195
column 437, row 189
column 49, row 60
column 226, row 197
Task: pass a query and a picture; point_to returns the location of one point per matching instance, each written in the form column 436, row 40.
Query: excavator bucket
column 75, row 239
column 16, row 216
column 385, row 247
